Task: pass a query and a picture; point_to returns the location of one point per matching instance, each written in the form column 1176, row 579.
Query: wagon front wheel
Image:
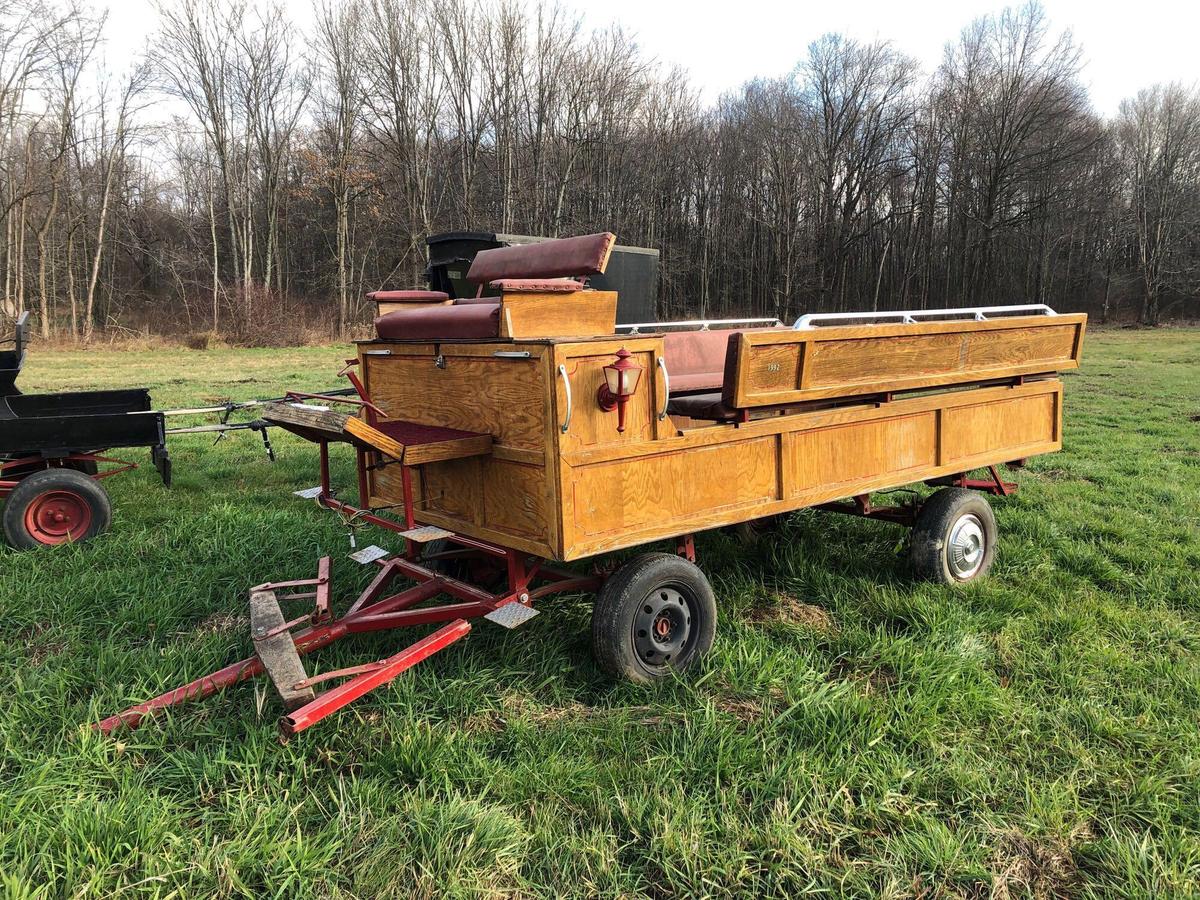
column 954, row 537
column 655, row 615
column 54, row 506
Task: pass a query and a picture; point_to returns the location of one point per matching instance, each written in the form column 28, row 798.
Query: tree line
column 242, row 175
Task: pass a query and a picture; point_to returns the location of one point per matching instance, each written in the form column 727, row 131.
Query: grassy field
column 853, row 733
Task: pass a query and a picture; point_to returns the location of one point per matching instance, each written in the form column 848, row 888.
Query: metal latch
column 440, row 361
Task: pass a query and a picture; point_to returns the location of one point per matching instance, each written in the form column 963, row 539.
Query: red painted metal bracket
column 994, row 485
column 7, row 484
column 371, row 611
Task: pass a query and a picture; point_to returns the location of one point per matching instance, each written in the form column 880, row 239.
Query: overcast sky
column 1127, row 45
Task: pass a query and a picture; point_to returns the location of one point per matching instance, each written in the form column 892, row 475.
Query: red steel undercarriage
column 527, row 579
column 279, row 646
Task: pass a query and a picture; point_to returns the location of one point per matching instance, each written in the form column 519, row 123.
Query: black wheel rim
column 664, row 627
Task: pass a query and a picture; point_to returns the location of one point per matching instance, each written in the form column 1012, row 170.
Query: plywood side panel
column 779, row 366
column 502, row 397
column 454, row 489
column 516, row 500
column 631, row 495
column 590, row 426
column 847, row 453
column 719, row 476
column 578, row 314
column 968, row 431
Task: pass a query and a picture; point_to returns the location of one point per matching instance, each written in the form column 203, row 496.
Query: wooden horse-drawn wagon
column 505, row 434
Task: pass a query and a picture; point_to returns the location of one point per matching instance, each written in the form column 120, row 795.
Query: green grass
column 853, row 733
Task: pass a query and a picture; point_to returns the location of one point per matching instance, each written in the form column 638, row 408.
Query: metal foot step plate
column 511, row 614
column 278, row 652
column 423, row 534
column 369, row 554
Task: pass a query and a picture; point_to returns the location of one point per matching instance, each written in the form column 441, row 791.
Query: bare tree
column 112, row 145
column 339, row 110
column 1158, row 135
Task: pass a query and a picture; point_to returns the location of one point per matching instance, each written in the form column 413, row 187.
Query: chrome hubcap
column 966, row 547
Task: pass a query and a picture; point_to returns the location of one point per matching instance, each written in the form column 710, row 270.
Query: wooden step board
column 411, row 443
column 276, row 649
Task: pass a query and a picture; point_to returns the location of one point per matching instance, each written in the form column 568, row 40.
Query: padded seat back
column 702, row 360
column 562, row 258
column 695, row 360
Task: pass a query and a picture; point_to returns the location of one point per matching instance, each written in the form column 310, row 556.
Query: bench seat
column 709, row 406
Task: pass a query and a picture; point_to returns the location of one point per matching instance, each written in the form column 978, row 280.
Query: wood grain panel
column 852, row 360
column 454, row 488
column 516, row 500
column 590, row 425
column 844, row 453
column 690, row 482
column 502, row 397
column 578, row 314
column 1048, row 346
column 871, row 360
column 968, row 431
column 774, row 368
column 386, row 486
column 664, row 491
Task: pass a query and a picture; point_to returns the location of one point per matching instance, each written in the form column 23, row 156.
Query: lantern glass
column 612, row 378
column 629, row 381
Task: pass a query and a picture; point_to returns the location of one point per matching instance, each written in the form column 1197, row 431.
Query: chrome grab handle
column 666, row 388
column 562, row 371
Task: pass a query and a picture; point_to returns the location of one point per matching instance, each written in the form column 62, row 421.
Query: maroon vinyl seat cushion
column 701, row 364
column 558, row 266
column 695, row 360
column 709, row 406
column 562, row 258
column 462, row 321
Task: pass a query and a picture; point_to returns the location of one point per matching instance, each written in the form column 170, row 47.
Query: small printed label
column 369, row 554
column 308, row 493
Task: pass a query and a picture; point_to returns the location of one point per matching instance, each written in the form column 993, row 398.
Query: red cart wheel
column 55, row 506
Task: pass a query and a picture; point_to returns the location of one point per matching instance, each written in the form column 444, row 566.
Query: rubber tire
column 33, row 486
column 619, row 599
column 489, row 577
column 931, row 532
column 752, row 531
column 86, row 466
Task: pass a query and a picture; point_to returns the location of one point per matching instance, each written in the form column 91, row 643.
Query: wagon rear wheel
column 954, row 537
column 655, row 615
column 54, row 506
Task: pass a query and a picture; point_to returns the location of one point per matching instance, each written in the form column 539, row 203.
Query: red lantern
column 620, row 383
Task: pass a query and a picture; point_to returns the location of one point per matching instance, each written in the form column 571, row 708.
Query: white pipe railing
column 699, row 324
column 911, row 316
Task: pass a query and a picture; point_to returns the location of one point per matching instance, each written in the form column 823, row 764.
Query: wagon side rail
column 782, row 366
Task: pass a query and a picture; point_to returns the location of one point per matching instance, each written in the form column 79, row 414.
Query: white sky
column 1126, row 45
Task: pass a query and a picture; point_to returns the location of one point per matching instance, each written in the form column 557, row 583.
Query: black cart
column 52, row 450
